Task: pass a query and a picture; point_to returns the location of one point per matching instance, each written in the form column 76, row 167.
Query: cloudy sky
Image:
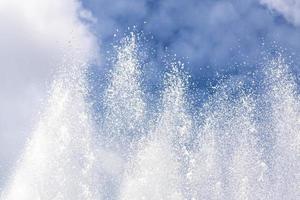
column 220, row 35
column 210, row 36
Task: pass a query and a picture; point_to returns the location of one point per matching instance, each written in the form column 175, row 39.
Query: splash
column 58, row 162
column 219, row 152
column 124, row 110
column 155, row 172
column 123, row 100
column 284, row 115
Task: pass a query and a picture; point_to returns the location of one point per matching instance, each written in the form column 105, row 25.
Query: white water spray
column 172, row 158
column 123, row 100
column 284, row 119
column 58, row 161
column 156, row 171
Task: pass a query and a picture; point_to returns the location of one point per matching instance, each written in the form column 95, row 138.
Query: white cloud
column 37, row 36
column 290, row 9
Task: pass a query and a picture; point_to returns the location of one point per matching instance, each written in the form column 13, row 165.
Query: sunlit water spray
column 123, row 100
column 156, row 171
column 284, row 114
column 58, row 162
column 219, row 153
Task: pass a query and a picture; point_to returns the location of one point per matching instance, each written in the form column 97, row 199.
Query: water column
column 124, row 106
column 124, row 111
column 227, row 162
column 249, row 178
column 156, row 171
column 58, row 160
column 284, row 124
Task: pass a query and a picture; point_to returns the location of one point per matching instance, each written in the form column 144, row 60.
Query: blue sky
column 211, row 36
